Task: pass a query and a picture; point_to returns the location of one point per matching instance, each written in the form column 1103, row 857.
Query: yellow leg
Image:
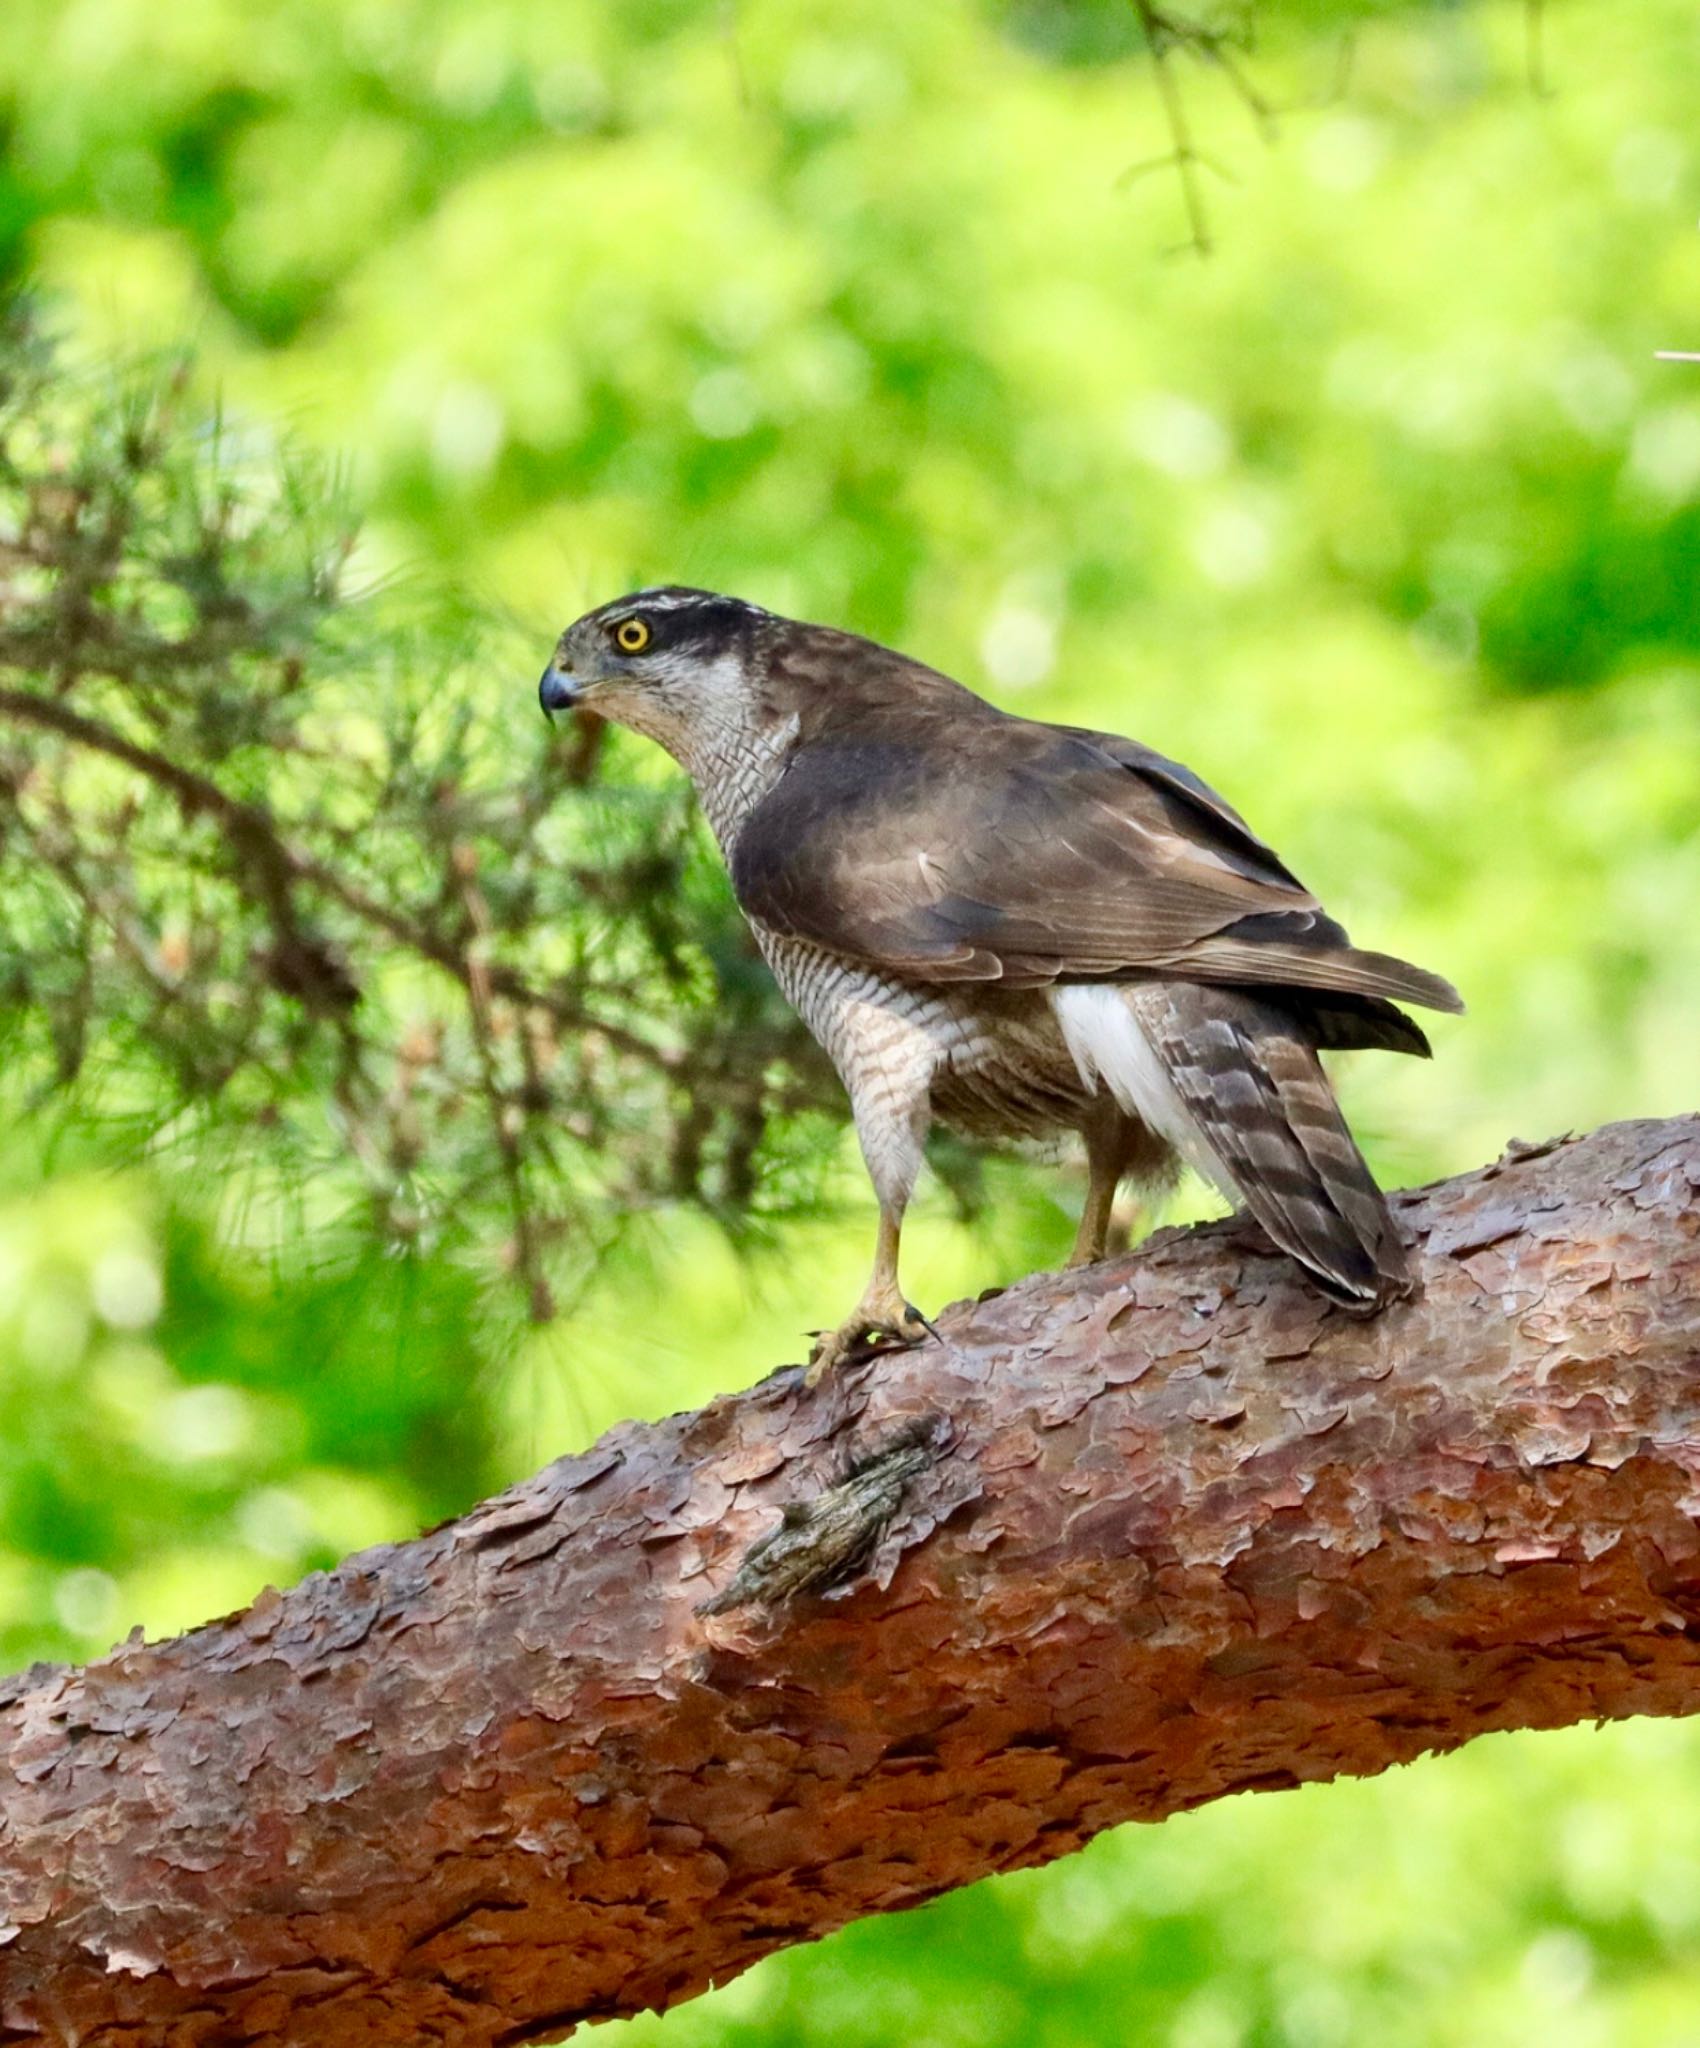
column 1116, row 1146
column 882, row 1319
column 1093, row 1235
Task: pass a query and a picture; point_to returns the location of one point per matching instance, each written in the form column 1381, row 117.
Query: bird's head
column 674, row 664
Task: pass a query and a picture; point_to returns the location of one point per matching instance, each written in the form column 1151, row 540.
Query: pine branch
column 240, row 812
column 1133, row 1538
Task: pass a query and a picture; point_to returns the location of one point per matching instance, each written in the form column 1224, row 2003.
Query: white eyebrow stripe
column 661, row 599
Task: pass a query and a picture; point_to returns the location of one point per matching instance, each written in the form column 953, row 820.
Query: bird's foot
column 881, row 1321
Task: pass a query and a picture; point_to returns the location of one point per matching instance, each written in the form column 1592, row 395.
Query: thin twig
column 1160, row 36
column 1167, row 34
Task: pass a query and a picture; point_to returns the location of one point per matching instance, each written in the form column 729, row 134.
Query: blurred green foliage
column 1385, row 518
column 274, row 880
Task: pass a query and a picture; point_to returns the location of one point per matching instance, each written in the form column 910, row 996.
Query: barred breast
column 998, row 1063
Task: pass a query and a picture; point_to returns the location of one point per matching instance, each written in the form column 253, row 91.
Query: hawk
column 1015, row 928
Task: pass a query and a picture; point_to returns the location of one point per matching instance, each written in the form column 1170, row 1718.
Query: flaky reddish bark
column 1178, row 1529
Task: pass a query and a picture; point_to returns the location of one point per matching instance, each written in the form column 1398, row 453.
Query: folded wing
column 1007, row 850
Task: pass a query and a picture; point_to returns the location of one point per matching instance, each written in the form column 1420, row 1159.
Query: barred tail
column 1235, row 1085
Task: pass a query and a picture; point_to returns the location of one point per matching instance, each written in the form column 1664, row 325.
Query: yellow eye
column 631, row 636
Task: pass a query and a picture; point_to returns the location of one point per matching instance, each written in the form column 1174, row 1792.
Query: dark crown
column 678, row 616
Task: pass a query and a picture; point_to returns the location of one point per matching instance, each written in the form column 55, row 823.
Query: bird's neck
column 733, row 765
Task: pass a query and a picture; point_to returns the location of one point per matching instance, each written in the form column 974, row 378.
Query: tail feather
column 1236, row 1085
column 1257, row 1090
column 1349, row 1023
column 1304, row 1101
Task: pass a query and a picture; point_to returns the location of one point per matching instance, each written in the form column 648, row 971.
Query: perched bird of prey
column 1015, row 928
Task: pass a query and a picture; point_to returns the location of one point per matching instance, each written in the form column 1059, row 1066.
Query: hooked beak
column 557, row 692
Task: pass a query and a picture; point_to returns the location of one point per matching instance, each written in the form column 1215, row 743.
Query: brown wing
column 1000, row 849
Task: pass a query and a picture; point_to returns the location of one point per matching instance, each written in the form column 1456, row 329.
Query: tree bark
column 1128, row 1539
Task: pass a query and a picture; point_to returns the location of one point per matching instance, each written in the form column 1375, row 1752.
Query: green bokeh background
column 1384, row 517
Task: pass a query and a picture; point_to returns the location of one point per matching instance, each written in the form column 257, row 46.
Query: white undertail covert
column 1100, row 1025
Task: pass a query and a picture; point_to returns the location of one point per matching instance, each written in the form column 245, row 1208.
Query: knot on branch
column 824, row 1541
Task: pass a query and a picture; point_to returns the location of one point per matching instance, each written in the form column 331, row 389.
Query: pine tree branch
column 1134, row 1538
column 279, row 889
column 277, row 865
